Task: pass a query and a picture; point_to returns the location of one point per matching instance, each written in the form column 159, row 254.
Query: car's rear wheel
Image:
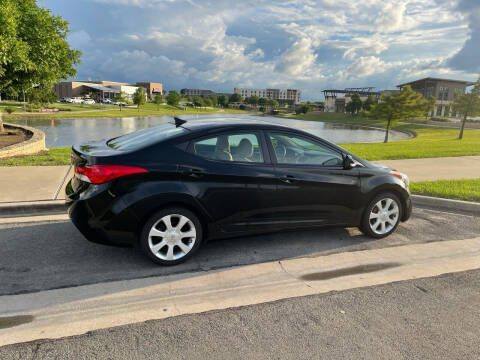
column 382, row 215
column 171, row 236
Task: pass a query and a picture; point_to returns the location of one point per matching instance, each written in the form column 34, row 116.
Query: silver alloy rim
column 172, row 237
column 384, row 216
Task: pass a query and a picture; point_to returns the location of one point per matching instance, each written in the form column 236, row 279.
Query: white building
column 287, row 96
column 126, row 90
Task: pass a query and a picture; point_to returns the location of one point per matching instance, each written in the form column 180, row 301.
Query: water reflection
column 65, row 132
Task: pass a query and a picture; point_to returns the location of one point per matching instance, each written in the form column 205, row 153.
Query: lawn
column 463, row 189
column 54, row 156
column 429, row 141
column 100, row 110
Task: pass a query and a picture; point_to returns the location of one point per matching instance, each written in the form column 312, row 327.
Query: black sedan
column 169, row 188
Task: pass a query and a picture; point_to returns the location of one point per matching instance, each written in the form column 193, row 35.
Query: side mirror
column 349, row 162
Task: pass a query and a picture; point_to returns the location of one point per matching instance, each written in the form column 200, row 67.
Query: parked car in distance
column 119, row 103
column 170, row 188
column 64, row 100
column 75, row 100
column 107, row 101
column 88, row 101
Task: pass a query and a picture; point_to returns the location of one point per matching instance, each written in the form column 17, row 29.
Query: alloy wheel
column 172, row 237
column 384, row 216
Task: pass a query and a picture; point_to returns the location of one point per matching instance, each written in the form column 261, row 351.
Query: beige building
column 288, row 96
column 100, row 90
column 444, row 91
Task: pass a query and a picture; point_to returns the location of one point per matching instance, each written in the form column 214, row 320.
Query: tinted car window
column 241, row 147
column 292, row 149
column 145, row 137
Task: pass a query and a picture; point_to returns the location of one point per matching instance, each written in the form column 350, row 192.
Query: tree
column 354, row 105
column 252, row 100
column 214, row 101
column 467, row 104
column 42, row 96
column 207, row 102
column 302, row 109
column 236, row 98
column 368, row 103
column 222, row 100
column 173, row 98
column 139, row 97
column 33, row 48
column 430, row 106
column 120, row 99
column 402, row 105
column 158, row 99
column 197, row 101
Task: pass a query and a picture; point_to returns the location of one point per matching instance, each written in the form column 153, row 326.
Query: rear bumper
column 101, row 219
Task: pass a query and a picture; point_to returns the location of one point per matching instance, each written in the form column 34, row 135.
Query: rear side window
column 238, row 147
column 145, row 137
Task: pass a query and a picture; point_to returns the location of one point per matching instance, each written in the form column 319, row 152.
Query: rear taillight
column 99, row 174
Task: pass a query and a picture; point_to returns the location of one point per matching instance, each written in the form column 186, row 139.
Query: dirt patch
column 12, row 136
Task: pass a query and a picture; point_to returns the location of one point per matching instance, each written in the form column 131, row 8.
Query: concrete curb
column 45, row 207
column 436, row 203
column 34, row 145
column 32, row 208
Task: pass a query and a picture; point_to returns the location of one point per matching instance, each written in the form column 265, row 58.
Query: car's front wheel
column 171, row 236
column 382, row 215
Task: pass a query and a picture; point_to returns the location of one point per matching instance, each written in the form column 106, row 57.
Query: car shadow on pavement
column 55, row 255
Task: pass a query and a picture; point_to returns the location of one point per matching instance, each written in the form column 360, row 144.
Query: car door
column 233, row 179
column 313, row 188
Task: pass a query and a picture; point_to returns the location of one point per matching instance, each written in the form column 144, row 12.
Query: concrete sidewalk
column 33, row 183
column 429, row 169
column 38, row 183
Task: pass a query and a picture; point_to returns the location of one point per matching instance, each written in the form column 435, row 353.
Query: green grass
column 429, row 141
column 100, row 110
column 55, row 156
column 463, row 189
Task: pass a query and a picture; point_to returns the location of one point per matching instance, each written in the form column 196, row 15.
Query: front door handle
column 287, row 178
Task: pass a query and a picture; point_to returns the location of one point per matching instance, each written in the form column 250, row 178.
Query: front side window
column 291, row 149
column 238, row 147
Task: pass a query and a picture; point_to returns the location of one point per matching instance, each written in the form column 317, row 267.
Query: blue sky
column 310, row 45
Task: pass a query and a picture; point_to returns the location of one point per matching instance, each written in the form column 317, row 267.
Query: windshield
column 145, row 137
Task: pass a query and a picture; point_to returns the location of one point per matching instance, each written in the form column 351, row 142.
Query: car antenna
column 178, row 121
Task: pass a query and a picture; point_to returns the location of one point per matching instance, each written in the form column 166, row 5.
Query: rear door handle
column 193, row 172
column 287, row 178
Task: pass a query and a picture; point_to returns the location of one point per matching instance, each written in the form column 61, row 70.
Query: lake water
column 65, row 132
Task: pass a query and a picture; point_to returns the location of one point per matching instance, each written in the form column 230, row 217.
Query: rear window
column 145, row 137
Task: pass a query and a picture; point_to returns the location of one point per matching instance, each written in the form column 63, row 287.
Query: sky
column 309, row 45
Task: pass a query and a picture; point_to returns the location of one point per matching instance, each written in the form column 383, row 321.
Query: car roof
column 220, row 123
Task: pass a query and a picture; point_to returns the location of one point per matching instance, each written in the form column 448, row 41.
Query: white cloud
column 311, row 44
column 297, row 59
column 365, row 66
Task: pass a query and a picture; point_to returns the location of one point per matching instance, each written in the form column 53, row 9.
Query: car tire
column 382, row 215
column 171, row 244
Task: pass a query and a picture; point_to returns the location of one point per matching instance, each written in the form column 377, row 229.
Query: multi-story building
column 288, row 96
column 444, row 91
column 198, row 92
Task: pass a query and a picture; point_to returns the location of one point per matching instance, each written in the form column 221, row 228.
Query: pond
column 65, row 132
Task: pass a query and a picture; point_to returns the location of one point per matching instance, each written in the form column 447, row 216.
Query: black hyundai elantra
column 171, row 187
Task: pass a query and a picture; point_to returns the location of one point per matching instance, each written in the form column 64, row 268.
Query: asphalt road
column 431, row 318
column 43, row 256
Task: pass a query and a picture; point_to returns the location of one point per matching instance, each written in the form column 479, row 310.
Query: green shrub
column 441, row 119
column 9, row 109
